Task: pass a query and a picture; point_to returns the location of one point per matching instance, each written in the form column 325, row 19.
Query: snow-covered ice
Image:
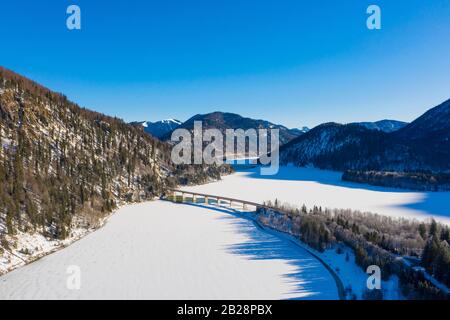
column 312, row 186
column 162, row 250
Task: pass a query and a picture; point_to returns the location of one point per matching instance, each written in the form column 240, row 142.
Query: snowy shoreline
column 30, row 247
column 350, row 275
column 26, row 242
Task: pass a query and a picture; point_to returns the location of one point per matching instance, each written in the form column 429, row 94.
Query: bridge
column 183, row 196
column 180, row 196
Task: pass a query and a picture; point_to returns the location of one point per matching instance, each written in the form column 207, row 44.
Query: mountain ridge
column 227, row 120
column 385, row 125
column 422, row 145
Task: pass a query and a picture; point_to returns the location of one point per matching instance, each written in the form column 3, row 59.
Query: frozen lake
column 161, row 250
column 311, row 187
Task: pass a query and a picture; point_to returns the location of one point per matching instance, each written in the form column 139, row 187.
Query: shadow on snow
column 308, row 276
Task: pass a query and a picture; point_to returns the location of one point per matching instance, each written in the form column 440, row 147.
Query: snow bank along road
column 161, row 250
column 311, row 187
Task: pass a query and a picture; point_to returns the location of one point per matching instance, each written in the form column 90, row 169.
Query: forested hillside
column 421, row 146
column 335, row 146
column 61, row 164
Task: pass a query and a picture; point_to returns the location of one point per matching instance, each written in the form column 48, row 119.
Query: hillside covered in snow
column 423, row 145
column 63, row 167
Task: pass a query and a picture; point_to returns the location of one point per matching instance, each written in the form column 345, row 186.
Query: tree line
column 376, row 240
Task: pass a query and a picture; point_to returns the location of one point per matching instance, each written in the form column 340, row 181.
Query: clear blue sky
column 291, row 62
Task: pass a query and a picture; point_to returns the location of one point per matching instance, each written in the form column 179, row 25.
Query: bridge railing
column 196, row 195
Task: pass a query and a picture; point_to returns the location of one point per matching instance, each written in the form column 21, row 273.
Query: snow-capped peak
column 171, row 121
column 159, row 128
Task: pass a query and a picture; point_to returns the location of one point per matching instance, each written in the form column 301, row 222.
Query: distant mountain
column 422, row 145
column 158, row 129
column 383, row 125
column 433, row 124
column 300, row 131
column 333, row 146
column 225, row 120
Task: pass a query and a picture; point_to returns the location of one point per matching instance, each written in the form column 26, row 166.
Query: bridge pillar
column 244, row 206
column 218, row 201
column 206, row 200
column 182, row 197
column 194, row 198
